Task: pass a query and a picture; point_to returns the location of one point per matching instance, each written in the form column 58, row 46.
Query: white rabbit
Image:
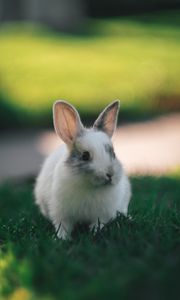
column 82, row 181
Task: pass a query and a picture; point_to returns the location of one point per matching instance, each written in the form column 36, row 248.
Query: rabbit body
column 82, row 181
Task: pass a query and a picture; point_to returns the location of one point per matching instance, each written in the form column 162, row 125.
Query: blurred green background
column 90, row 53
column 134, row 58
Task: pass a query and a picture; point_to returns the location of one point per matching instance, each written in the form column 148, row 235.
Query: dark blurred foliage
column 15, row 9
column 10, row 10
column 110, row 8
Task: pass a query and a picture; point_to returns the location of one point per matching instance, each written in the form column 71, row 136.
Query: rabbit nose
column 109, row 176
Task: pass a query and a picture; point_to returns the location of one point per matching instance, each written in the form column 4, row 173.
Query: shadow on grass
column 129, row 257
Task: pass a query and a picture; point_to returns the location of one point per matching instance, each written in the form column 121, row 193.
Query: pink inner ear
column 66, row 122
column 109, row 122
column 69, row 124
column 107, row 119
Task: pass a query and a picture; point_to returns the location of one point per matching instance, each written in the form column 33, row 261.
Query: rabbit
column 82, row 181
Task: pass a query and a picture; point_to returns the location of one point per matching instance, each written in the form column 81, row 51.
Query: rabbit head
column 91, row 152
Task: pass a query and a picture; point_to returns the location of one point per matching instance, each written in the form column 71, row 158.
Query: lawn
column 131, row 258
column 136, row 59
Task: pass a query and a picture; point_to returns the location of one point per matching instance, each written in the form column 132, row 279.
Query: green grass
column 135, row 59
column 138, row 258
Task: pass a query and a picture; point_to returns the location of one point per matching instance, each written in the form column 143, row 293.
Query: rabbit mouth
column 91, row 178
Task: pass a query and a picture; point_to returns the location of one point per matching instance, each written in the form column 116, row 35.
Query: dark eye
column 86, row 156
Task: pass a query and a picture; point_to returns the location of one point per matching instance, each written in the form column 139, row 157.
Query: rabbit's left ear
column 67, row 122
column 107, row 120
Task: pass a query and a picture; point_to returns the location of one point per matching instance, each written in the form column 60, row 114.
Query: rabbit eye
column 86, row 156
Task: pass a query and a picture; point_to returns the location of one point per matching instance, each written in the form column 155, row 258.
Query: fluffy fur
column 82, row 181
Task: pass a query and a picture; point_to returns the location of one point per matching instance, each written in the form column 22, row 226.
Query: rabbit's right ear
column 67, row 122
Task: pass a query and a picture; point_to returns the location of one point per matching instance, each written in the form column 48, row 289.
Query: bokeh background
column 90, row 53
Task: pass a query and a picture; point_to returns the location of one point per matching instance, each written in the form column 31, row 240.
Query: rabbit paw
column 62, row 232
column 96, row 227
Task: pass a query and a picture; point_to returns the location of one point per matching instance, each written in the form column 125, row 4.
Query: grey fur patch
column 109, row 149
